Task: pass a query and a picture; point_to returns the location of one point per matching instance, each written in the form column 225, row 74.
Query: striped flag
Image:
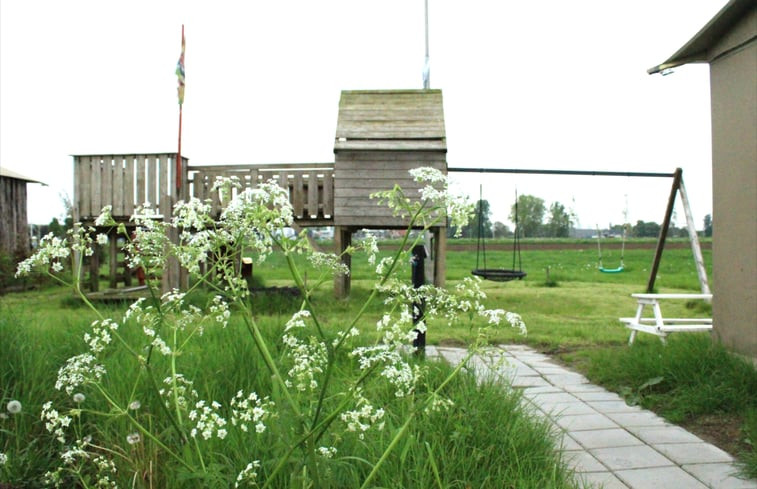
column 180, row 69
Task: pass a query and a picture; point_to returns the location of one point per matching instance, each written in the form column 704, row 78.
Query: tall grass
column 484, row 440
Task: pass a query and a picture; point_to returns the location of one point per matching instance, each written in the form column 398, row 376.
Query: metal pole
column 426, row 61
column 592, row 173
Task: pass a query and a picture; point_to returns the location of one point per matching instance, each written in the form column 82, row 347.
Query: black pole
column 591, row 173
column 418, row 276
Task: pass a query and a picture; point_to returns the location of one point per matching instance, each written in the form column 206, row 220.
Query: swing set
column 677, row 188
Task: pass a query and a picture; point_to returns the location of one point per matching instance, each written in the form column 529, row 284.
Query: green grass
column 484, row 440
column 574, row 313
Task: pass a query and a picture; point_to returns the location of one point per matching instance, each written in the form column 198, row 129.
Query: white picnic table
column 659, row 325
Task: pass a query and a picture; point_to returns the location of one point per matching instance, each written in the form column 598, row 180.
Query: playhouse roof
column 4, row 172
column 390, row 120
column 696, row 50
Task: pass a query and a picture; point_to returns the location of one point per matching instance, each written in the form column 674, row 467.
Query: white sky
column 549, row 84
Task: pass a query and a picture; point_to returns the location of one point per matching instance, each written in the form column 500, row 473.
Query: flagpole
column 180, row 73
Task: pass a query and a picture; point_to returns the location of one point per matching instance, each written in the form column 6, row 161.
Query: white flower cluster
column 55, row 423
column 3, row 459
column 248, row 475
column 148, row 248
column 106, row 217
column 100, row 337
column 328, row 262
column 309, row 360
column 327, row 452
column 219, row 309
column 363, row 417
column 192, row 216
column 459, row 208
column 250, row 409
column 78, row 370
column 207, row 420
column 180, row 390
column 51, row 251
column 370, row 245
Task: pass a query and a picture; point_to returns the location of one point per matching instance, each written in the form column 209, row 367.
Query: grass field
column 569, row 307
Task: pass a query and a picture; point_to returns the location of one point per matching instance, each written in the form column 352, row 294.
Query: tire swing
column 497, row 274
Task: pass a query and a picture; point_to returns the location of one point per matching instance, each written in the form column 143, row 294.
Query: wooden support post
column 694, row 240
column 342, row 240
column 664, row 230
column 94, row 268
column 112, row 259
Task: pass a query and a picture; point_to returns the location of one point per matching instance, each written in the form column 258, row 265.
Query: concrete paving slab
column 582, row 461
column 584, row 388
column 659, row 477
column 634, row 457
column 596, row 480
column 550, row 397
column 563, row 380
column 613, row 437
column 613, row 407
column 663, row 434
column 603, row 395
column 719, row 476
column 530, row 392
column 643, row 418
column 529, row 381
column 567, row 443
column 693, row 453
column 582, row 422
column 567, row 408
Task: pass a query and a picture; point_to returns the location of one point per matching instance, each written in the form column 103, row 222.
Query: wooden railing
column 125, row 182
column 310, row 186
column 128, row 181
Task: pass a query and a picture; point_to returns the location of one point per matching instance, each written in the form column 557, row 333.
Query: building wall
column 14, row 228
column 733, row 81
column 358, row 174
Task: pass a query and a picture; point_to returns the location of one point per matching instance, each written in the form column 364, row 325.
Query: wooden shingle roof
column 390, row 120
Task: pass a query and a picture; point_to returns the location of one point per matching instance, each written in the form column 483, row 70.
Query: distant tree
column 57, row 228
column 559, row 221
column 646, row 229
column 530, row 215
column 708, row 225
column 480, row 221
column 501, row 230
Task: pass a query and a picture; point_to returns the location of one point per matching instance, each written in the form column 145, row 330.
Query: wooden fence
column 128, row 181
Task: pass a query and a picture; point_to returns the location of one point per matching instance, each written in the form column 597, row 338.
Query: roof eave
column 696, row 49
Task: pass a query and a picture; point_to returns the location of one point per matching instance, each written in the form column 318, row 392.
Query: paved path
column 608, row 443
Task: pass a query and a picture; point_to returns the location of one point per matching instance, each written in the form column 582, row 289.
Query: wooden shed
column 14, row 228
column 728, row 43
column 380, row 136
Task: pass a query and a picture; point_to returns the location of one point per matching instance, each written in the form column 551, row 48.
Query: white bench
column 659, row 325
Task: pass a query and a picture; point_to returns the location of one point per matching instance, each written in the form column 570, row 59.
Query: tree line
column 535, row 220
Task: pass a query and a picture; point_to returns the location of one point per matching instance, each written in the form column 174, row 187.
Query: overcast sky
column 550, row 84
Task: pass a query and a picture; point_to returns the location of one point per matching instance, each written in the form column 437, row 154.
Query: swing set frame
column 677, row 188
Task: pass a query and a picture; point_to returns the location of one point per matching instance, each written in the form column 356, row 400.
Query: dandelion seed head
column 79, row 397
column 14, row 407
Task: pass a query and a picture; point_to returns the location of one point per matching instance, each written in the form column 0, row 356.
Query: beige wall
column 733, row 81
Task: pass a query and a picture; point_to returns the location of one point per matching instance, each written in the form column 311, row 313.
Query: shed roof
column 4, row 172
column 390, row 120
column 696, row 50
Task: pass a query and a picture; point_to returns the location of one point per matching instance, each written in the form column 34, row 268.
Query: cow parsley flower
column 250, row 409
column 248, row 475
column 78, row 370
column 207, row 420
column 55, row 423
